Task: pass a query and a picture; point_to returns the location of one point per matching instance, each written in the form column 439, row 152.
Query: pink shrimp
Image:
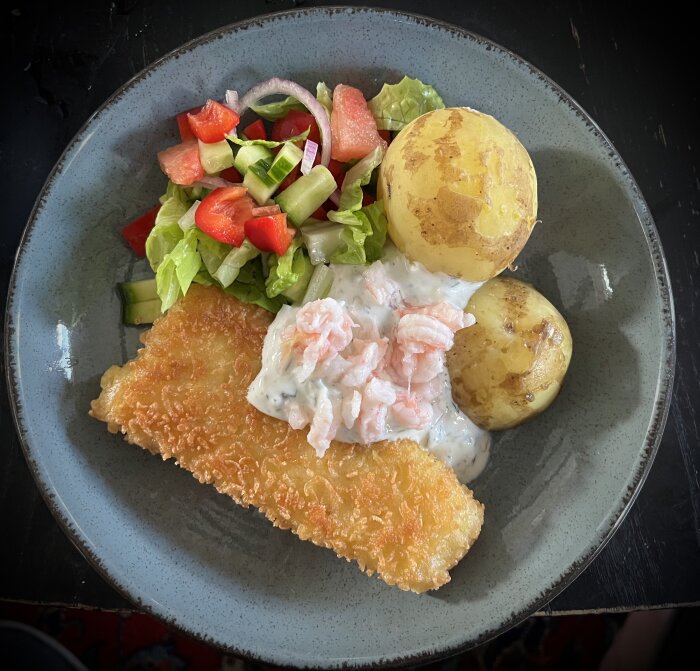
column 378, row 395
column 297, row 416
column 428, row 391
column 323, row 328
column 382, row 288
column 352, row 401
column 332, row 369
column 368, row 360
column 452, row 317
column 421, row 341
column 324, row 424
column 411, row 410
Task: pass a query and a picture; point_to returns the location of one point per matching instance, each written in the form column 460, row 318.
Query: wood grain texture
column 627, row 71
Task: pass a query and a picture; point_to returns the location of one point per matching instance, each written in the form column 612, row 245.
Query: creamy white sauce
column 451, row 436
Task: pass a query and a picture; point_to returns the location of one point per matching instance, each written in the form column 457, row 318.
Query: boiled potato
column 460, row 193
column 509, row 366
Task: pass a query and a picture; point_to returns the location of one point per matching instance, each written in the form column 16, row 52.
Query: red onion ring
column 211, row 182
column 310, row 150
column 231, row 100
column 286, row 87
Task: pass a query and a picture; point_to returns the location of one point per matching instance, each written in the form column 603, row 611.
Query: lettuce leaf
column 174, row 191
column 232, row 263
column 177, row 270
column 164, row 236
column 325, row 97
column 279, row 109
column 358, row 176
column 212, row 251
column 179, row 258
column 250, row 287
column 171, row 210
column 374, row 244
column 398, row 104
column 270, row 144
column 284, row 271
column 364, row 235
column 161, row 241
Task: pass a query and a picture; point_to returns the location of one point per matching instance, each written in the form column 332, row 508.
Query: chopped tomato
column 231, row 175
column 338, row 171
column 367, row 199
column 223, row 213
column 294, row 123
column 181, row 163
column 266, row 211
column 385, row 135
column 270, row 234
column 256, row 131
column 183, row 124
column 320, row 214
column 137, row 231
column 213, row 122
column 291, row 177
column 353, row 128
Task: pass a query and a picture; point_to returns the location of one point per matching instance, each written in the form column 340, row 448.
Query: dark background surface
column 633, row 72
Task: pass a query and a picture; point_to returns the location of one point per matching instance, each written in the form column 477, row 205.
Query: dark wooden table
column 634, row 73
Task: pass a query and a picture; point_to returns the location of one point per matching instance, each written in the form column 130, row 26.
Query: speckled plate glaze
column 555, row 489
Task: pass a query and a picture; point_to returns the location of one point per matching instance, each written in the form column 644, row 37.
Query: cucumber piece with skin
column 319, row 284
column 322, row 240
column 138, row 291
column 288, row 158
column 249, row 155
column 304, row 196
column 215, row 156
column 143, row 312
column 259, row 184
column 262, row 180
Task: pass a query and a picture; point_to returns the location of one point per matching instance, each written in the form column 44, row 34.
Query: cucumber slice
column 215, row 156
column 259, row 183
column 307, row 194
column 136, row 292
column 144, row 312
column 322, row 240
column 288, row 158
column 319, row 284
column 263, row 179
column 249, row 155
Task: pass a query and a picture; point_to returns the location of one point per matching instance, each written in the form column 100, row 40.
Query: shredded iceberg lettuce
column 270, row 144
column 357, row 177
column 277, row 110
column 325, row 96
column 398, row 104
column 364, row 235
column 286, row 270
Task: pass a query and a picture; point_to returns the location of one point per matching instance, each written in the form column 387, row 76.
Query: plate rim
column 664, row 383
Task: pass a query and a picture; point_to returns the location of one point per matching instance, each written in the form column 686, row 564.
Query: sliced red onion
column 266, row 211
column 231, row 100
column 211, row 182
column 286, row 87
column 310, row 150
column 335, row 197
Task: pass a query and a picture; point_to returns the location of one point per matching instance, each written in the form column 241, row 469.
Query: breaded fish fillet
column 392, row 507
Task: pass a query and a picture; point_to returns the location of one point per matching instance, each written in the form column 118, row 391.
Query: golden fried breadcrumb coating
column 392, row 507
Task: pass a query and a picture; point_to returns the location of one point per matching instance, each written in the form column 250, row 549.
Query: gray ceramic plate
column 555, row 489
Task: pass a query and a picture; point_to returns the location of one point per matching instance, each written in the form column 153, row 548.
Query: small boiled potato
column 509, row 366
column 459, row 192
